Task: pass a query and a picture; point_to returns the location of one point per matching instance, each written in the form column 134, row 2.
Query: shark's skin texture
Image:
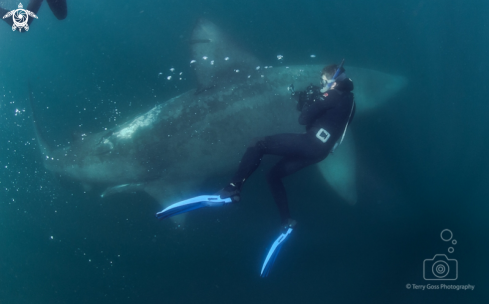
column 171, row 149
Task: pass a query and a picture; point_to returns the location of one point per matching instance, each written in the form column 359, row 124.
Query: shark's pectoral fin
column 339, row 170
column 157, row 189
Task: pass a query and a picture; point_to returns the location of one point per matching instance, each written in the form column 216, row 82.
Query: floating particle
column 205, row 57
column 169, row 77
column 212, row 62
column 313, row 56
column 257, row 68
column 237, row 71
column 249, row 76
column 227, row 58
column 180, row 73
column 279, row 57
column 266, row 67
column 193, row 61
column 172, row 69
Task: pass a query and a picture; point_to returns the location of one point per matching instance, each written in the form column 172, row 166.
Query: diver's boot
column 276, row 246
column 290, row 224
column 232, row 191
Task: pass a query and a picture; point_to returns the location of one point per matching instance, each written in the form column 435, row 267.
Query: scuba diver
column 326, row 112
column 58, row 7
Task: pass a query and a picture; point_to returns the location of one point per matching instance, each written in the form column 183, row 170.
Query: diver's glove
column 192, row 204
column 276, row 246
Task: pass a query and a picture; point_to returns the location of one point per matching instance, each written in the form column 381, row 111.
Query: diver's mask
column 327, row 83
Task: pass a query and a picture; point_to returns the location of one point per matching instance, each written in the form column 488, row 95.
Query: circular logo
column 20, row 18
column 440, row 269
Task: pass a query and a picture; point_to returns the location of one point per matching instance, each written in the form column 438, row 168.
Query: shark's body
column 180, row 143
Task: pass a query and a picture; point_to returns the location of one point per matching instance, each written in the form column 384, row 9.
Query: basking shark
column 173, row 148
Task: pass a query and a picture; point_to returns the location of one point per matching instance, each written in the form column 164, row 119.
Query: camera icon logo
column 440, row 268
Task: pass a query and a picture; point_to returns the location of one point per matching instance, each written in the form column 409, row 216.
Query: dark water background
column 422, row 158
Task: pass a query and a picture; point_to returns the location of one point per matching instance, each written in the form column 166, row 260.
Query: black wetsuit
column 58, row 7
column 328, row 111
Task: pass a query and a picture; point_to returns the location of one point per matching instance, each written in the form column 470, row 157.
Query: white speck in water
column 237, row 71
column 52, row 237
column 313, row 56
column 279, row 57
column 193, row 61
column 227, row 58
column 169, row 77
column 212, row 62
column 172, row 69
column 249, row 76
column 257, row 68
column 205, row 57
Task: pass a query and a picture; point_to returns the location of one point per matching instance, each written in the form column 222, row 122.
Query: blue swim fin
column 192, row 204
column 274, row 250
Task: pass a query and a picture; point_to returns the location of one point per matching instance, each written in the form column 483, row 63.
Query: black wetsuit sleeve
column 311, row 111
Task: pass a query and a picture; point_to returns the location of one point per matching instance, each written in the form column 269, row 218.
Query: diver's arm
column 311, row 111
column 307, row 96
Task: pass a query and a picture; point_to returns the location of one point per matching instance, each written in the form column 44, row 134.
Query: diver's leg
column 59, row 8
column 283, row 168
column 248, row 164
column 287, row 144
column 279, row 144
